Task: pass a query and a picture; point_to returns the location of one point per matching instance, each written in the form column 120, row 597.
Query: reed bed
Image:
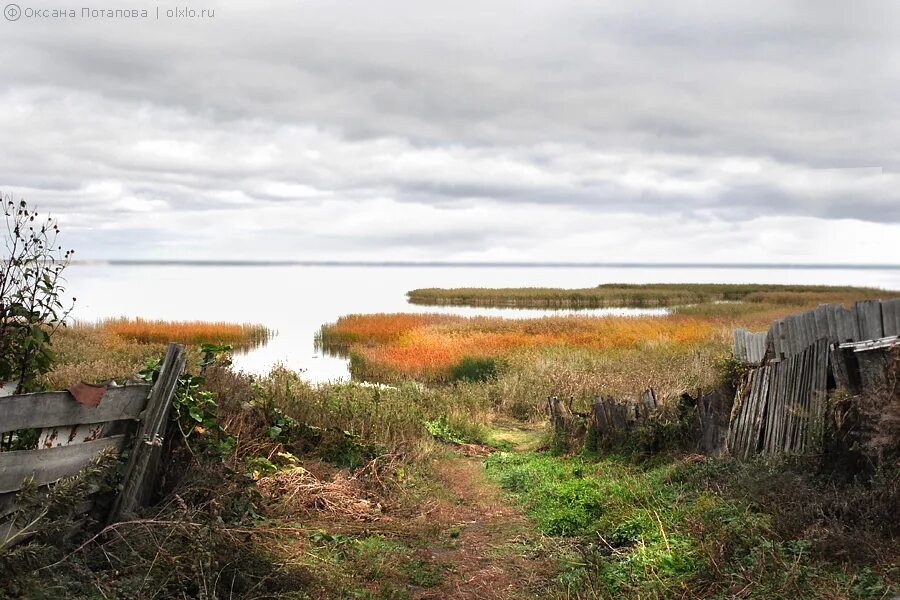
column 238, row 335
column 648, row 295
column 428, row 349
column 377, row 328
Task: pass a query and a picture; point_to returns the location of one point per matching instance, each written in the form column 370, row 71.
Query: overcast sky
column 464, row 130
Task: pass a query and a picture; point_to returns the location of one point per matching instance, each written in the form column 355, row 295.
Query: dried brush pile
column 297, row 491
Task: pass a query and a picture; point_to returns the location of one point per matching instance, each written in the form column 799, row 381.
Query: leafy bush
column 31, row 295
column 457, row 430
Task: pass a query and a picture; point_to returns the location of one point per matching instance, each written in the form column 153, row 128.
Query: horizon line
column 471, row 264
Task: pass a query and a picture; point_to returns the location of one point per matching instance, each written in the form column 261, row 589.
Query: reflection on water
column 296, row 301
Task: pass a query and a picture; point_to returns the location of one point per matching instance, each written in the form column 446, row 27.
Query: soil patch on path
column 491, row 553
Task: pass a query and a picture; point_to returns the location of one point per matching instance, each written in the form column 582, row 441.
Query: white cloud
column 403, row 130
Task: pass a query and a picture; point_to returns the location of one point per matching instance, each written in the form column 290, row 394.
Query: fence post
column 140, row 475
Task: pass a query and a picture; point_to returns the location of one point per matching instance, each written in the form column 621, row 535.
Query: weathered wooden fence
column 859, row 366
column 780, row 406
column 749, row 348
column 866, row 320
column 71, row 435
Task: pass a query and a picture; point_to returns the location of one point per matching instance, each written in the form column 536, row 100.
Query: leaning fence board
column 808, row 326
column 47, row 465
column 821, row 317
column 780, row 339
column 57, row 409
column 140, row 472
column 759, row 423
column 868, row 315
column 833, row 332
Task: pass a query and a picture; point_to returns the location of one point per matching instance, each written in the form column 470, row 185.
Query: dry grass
column 88, row 352
column 116, row 349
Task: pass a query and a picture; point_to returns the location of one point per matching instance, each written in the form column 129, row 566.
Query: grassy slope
column 694, row 530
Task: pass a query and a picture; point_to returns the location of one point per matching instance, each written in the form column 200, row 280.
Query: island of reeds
column 754, row 297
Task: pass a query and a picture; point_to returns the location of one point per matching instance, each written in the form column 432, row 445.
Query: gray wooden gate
column 71, row 436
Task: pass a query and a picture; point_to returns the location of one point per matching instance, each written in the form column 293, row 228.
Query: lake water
column 296, row 300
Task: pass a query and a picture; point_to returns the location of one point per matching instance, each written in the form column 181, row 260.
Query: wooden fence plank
column 801, row 403
column 821, row 317
column 738, row 346
column 767, row 399
column 808, row 321
column 757, row 413
column 735, row 344
column 817, row 426
column 890, row 317
column 849, row 328
column 742, row 415
column 778, row 338
column 56, row 409
column 788, row 402
column 776, row 402
column 773, row 413
column 761, row 344
column 48, row 465
column 868, row 316
column 834, row 333
column 754, row 401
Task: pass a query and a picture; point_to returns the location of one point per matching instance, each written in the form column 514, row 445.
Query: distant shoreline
column 475, row 265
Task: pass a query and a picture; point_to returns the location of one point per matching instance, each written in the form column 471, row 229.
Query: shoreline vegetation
column 619, row 295
column 573, row 355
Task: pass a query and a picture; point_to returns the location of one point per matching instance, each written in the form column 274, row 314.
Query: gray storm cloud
column 500, row 130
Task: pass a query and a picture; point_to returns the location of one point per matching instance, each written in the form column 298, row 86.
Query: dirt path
column 493, row 554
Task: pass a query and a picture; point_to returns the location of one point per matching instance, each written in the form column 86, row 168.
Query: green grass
column 654, row 531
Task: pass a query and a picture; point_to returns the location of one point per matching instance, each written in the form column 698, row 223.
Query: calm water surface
column 296, row 301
